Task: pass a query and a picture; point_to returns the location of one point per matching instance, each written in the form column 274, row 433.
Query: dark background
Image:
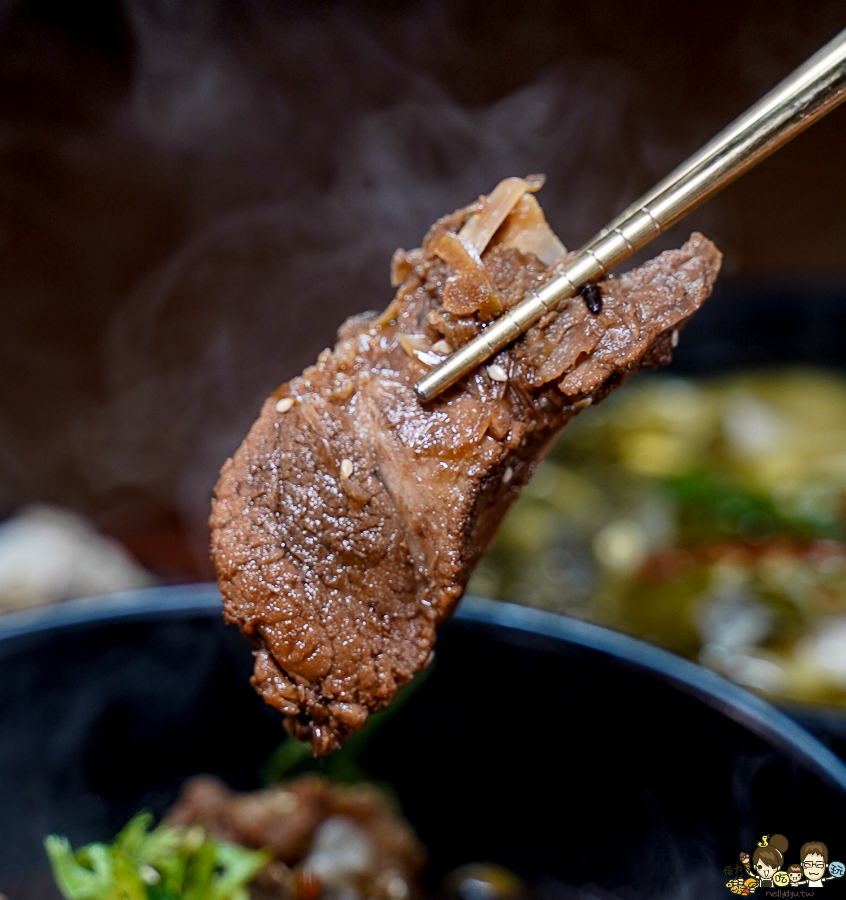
column 193, row 195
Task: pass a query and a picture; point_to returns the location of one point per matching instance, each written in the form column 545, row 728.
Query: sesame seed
column 674, row 339
column 346, row 468
column 497, row 373
column 507, row 475
column 442, row 347
column 283, row 405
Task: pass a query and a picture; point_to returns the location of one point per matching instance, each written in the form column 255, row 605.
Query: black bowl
column 589, row 762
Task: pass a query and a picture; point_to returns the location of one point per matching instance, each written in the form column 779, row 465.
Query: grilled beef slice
column 346, row 526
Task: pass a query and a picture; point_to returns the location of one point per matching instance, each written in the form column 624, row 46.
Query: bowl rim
column 204, row 600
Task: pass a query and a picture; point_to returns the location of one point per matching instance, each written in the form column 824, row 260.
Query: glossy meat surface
column 345, row 528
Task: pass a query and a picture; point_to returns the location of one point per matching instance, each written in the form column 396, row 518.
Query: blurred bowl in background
column 581, row 759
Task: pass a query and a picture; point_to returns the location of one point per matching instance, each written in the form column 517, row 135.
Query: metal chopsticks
column 805, row 96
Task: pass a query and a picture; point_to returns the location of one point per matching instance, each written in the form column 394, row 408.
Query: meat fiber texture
column 347, row 525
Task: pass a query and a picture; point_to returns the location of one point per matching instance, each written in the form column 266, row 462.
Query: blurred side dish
column 49, row 554
column 310, row 838
column 705, row 516
column 304, row 840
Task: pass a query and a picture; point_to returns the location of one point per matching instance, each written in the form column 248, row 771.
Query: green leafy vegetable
column 712, row 508
column 169, row 862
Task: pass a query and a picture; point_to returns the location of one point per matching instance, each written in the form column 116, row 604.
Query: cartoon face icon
column 764, row 870
column 813, row 866
column 795, row 877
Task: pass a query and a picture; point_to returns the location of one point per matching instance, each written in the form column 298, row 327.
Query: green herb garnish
column 169, row 862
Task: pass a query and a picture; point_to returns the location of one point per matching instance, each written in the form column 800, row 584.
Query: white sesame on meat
column 283, row 405
column 346, row 468
column 442, row 347
column 497, row 373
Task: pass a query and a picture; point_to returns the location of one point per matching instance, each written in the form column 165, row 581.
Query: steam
column 277, row 157
column 342, row 174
